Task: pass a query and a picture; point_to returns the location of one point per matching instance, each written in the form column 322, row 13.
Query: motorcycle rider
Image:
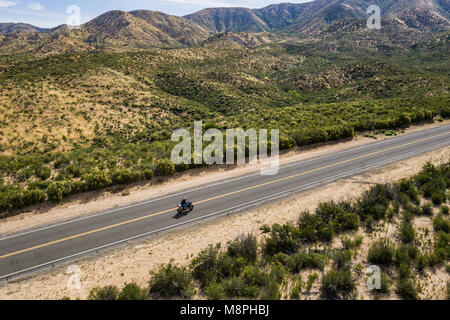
column 184, row 203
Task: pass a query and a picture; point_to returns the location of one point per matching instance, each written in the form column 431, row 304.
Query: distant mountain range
column 145, row 29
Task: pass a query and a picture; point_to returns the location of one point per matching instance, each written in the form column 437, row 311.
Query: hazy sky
column 51, row 13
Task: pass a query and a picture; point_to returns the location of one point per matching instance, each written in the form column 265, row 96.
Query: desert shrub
column 43, row 173
column 407, row 187
column 215, row 291
column 283, row 238
column 296, row 291
column 427, row 209
column 408, row 215
column 422, row 261
column 97, row 180
column 406, row 289
column 124, row 176
column 308, row 136
column 312, row 229
column 206, row 267
column 55, row 192
column 337, row 284
column 438, row 198
column 302, row 260
column 338, row 214
column 271, row 290
column 311, row 280
column 164, row 167
column 132, row 291
column 375, row 202
column 171, row 281
column 441, row 223
column 104, row 293
column 385, row 283
column 406, row 232
column 405, row 254
column 230, row 266
column 236, row 287
column 404, row 271
column 444, row 210
column 245, row 247
column 381, row 252
column 342, row 259
column 441, row 250
column 148, row 174
column 403, row 199
column 254, row 276
column 348, row 243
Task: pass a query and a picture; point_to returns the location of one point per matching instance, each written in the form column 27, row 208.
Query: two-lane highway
column 33, row 250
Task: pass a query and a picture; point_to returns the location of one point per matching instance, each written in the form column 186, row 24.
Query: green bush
column 55, row 192
column 104, row 293
column 215, row 291
column 422, row 261
column 123, row 176
column 236, row 287
column 407, row 187
column 381, row 252
column 305, row 260
column 427, row 209
column 254, row 276
column 271, row 290
column 405, row 254
column 342, row 259
column 171, row 281
column 283, row 238
column 406, row 289
column 311, row 280
column 97, row 180
column 148, row 174
column 375, row 202
column 407, row 233
column 44, row 173
column 438, row 198
column 206, row 267
column 245, row 247
column 385, row 283
column 444, row 210
column 441, row 223
column 312, row 229
column 296, row 291
column 164, row 167
column 132, row 291
column 348, row 243
column 337, row 284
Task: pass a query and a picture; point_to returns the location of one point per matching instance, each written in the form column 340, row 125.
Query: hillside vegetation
column 76, row 122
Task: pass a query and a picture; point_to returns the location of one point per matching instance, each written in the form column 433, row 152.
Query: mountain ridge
column 142, row 29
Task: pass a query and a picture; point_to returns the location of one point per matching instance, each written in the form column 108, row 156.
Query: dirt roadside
column 94, row 202
column 133, row 263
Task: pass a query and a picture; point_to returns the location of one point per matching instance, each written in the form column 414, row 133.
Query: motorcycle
column 188, row 209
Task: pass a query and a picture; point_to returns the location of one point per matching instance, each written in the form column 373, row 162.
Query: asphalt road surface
column 56, row 244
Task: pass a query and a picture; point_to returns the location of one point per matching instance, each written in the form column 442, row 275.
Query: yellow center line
column 213, row 198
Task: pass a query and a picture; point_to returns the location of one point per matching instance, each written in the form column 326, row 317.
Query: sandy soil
column 100, row 201
column 134, row 262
